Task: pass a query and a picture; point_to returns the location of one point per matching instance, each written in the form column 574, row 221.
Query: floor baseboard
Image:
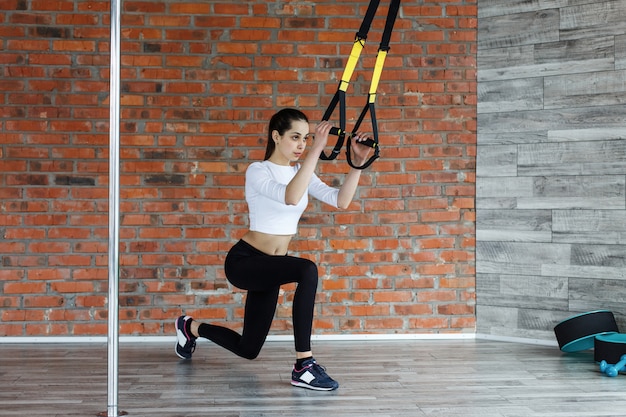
column 281, row 338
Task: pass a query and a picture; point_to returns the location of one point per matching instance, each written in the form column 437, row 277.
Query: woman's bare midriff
column 266, row 243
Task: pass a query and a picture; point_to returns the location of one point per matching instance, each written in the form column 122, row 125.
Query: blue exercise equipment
column 613, row 370
column 578, row 333
column 609, row 347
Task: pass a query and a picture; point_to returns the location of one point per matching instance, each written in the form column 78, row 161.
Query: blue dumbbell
column 613, row 370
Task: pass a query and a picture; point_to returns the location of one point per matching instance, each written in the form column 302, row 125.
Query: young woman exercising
column 276, row 191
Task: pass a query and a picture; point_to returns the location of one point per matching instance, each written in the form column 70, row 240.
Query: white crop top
column 266, row 185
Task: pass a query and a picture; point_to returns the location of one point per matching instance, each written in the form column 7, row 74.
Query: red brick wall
column 200, row 79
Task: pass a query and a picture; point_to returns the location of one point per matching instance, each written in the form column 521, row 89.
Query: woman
column 277, row 191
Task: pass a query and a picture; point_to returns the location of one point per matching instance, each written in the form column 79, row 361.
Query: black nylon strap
column 391, row 21
column 373, row 143
column 370, row 107
column 368, row 19
column 338, row 98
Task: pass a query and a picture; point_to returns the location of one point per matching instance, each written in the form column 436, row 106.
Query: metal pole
column 114, row 212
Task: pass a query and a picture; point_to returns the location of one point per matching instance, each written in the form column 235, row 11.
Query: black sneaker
column 185, row 341
column 313, row 376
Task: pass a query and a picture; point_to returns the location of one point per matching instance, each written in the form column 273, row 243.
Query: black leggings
column 262, row 275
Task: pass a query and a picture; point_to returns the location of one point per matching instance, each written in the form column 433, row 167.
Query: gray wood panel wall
column 551, row 163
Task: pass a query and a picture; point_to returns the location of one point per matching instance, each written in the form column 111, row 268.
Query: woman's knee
column 309, row 273
column 250, row 352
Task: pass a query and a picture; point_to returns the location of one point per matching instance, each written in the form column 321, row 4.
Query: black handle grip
column 367, row 142
column 336, row 131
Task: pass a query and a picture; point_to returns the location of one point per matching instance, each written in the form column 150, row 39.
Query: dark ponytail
column 281, row 122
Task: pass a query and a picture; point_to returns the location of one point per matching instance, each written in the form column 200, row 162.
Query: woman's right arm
column 300, row 182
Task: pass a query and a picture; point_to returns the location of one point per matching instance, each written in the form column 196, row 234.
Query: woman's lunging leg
column 304, row 305
column 259, row 313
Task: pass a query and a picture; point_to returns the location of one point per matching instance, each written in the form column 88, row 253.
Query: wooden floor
column 378, row 378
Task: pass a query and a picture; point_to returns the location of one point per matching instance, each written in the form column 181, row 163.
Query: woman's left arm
column 351, row 182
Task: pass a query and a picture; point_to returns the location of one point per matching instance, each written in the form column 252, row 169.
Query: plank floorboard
column 409, row 378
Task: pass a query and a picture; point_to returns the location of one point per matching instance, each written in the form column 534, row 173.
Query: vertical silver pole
column 114, row 210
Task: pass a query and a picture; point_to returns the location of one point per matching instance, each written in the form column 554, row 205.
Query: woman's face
column 290, row 146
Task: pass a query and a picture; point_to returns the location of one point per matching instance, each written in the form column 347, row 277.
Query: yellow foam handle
column 357, row 47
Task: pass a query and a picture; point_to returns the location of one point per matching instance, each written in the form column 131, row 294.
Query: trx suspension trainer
column 340, row 95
